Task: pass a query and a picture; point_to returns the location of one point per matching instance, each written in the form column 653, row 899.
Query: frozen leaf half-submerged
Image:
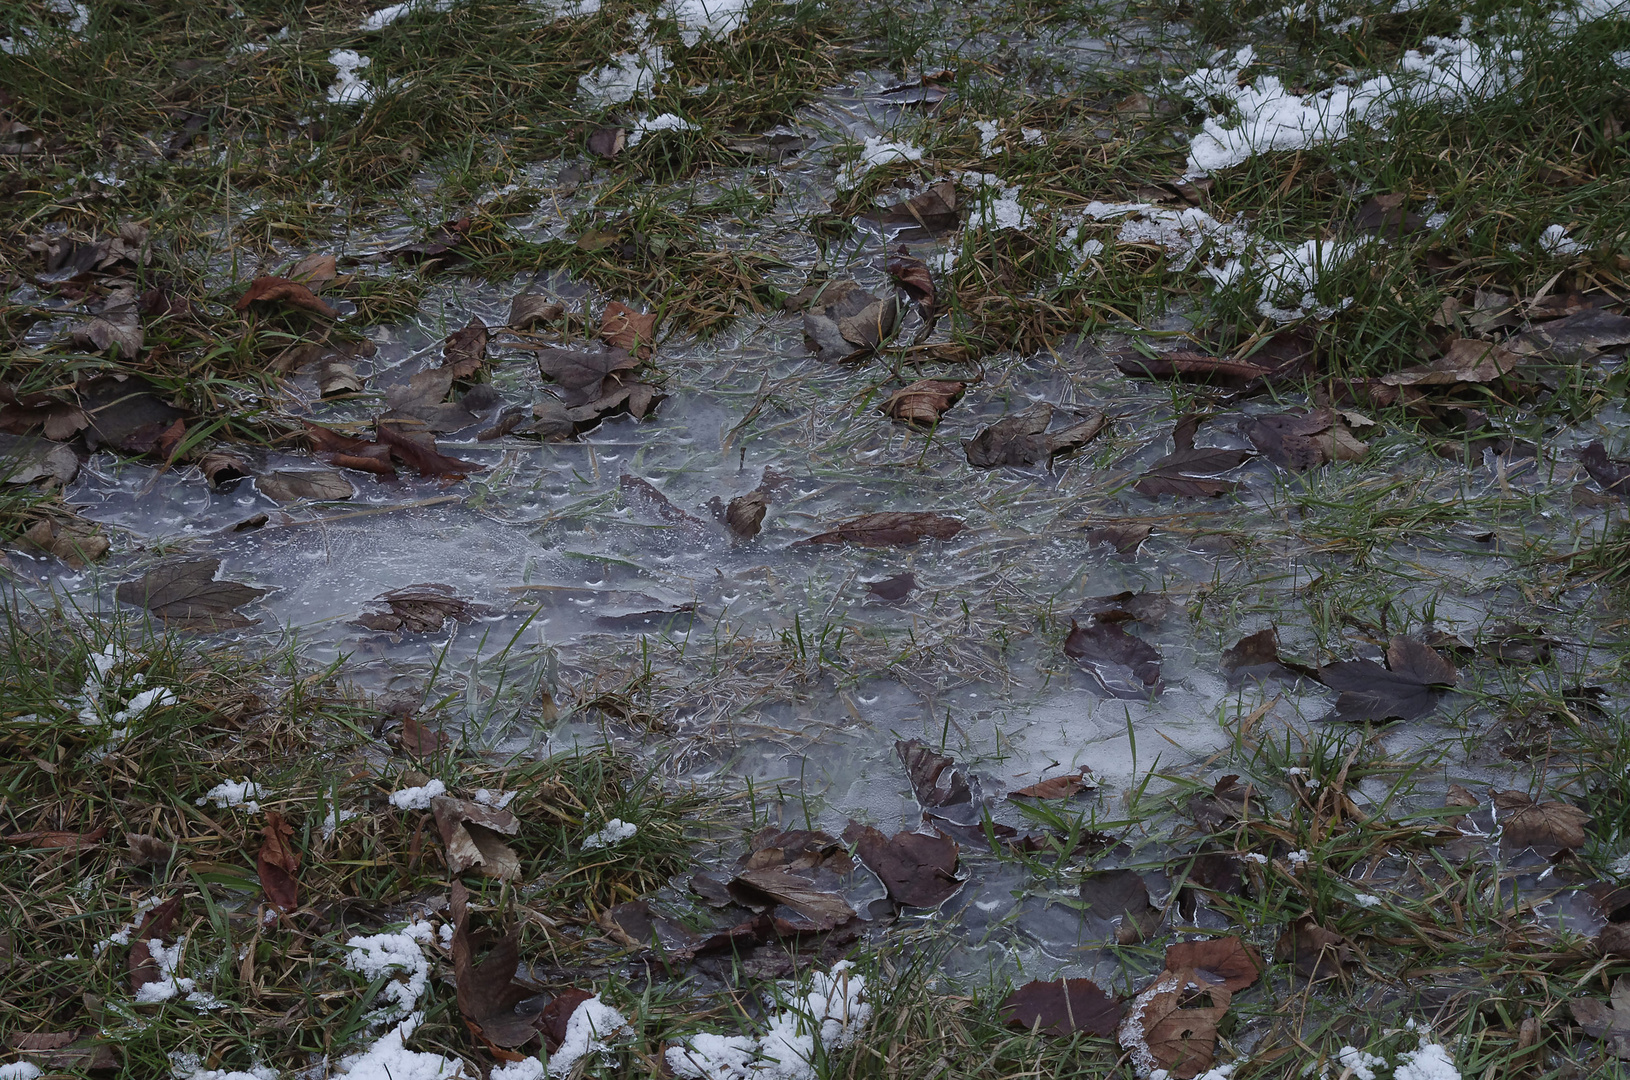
column 1022, row 438
column 186, row 596
column 1124, row 665
column 895, row 529
column 919, row 870
column 1407, row 688
column 1062, row 1007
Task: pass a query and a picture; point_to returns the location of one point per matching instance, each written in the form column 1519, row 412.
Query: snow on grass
column 615, row 832
column 590, row 1031
column 1556, row 241
column 628, row 75
column 349, row 87
column 834, row 1011
column 874, row 152
column 495, row 799
column 707, row 18
column 19, row 1070
column 234, row 794
column 387, row 15
column 1358, row 1063
column 390, row 1059
column 650, row 125
column 418, row 798
column 170, row 984
column 391, row 957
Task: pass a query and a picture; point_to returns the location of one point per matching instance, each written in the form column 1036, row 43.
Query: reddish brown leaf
column 43, row 838
column 1304, row 440
column 1466, row 360
column 1022, row 438
column 923, row 402
column 315, row 270
column 1062, row 1007
column 912, row 275
column 1124, row 536
column 1172, row 1025
column 1189, row 470
column 155, row 924
column 1547, row 827
column 916, row 869
column 420, row 609
column 934, row 210
column 1316, row 953
column 1407, row 688
column 426, row 461
column 558, row 1012
column 487, row 992
column 278, row 863
column 895, row 529
column 466, row 349
column 1124, row 665
column 1059, row 787
column 1121, row 894
column 419, row 740
column 624, row 328
column 1194, row 367
column 1234, row 963
column 936, row 779
column 283, row 291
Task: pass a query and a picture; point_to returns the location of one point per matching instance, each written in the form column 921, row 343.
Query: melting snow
column 348, row 88
column 238, row 794
column 389, row 1059
column 19, row 1070
column 418, row 798
column 708, row 18
column 627, row 76
column 615, row 832
column 648, row 125
column 1362, row 1065
column 495, row 799
column 1555, row 241
column 834, row 1011
column 876, row 151
column 387, row 15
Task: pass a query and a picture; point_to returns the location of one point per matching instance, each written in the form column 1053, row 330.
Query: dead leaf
column 912, row 275
column 1576, row 339
column 1304, row 439
column 148, row 850
column 76, row 543
column 117, row 330
column 223, row 471
column 126, row 414
column 1189, row 470
column 893, row 589
column 1121, row 894
column 421, row 403
column 421, row 741
column 1226, row 961
column 607, row 142
column 799, row 870
column 895, row 529
column 1228, row 801
column 582, row 372
column 26, row 461
column 1385, row 216
column 531, row 309
column 1547, row 827
column 1124, row 536
column 1059, row 787
column 425, row 460
column 439, row 247
column 1062, row 1007
column 941, row 786
column 1405, row 689
column 1021, row 439
column 154, row 925
column 1172, row 1024
column 470, row 831
column 917, row 869
column 1125, row 666
column 847, row 322
column 58, row 420
column 636, row 925
column 745, row 514
column 1256, row 656
column 487, row 992
column 923, row 402
column 336, row 377
column 1609, row 1021
column 1190, row 366
column 465, row 350
column 622, row 327
column 314, row 271
column 934, row 210
column 317, row 485
column 186, row 596
column 277, row 290
column 1316, row 953
column 56, row 841
column 1611, row 473
column 640, row 492
column 1466, row 360
column 420, row 609
column 278, row 863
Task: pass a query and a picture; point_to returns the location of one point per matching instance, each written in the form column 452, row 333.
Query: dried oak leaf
column 923, row 402
column 530, row 309
column 1405, row 689
column 918, row 870
column 1547, row 827
column 470, row 832
column 1022, row 438
column 1125, row 666
column 1608, row 1020
column 1256, row 656
column 318, row 485
column 581, row 372
column 47, row 839
column 847, row 322
column 891, row 529
column 1304, row 439
column 1466, row 360
column 1062, row 1007
column 1059, row 787
column 607, row 142
column 186, row 596
column 314, row 270
column 1193, row 472
column 1121, row 894
column 912, row 275
column 277, row 863
column 622, row 327
column 1316, row 953
column 465, row 350
column 420, row 609
column 279, row 290
column 350, row 453
column 487, row 992
column 796, row 874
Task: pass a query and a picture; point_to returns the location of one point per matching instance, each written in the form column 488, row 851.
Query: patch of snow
column 1367, row 900
column 988, row 134
column 835, row 1011
column 589, row 1030
column 1256, row 857
column 1362, row 1065
column 708, row 18
column 234, row 794
column 566, row 9
column 19, row 1070
column 390, row 1059
column 333, row 820
column 1033, row 136
column 1296, row 859
column 349, row 88
column 1555, row 241
column 495, row 799
column 256, row 1072
column 170, row 985
column 418, row 798
column 626, row 77
column 524, row 1069
column 1429, row 1061
column 388, row 956
column 615, row 832
column 876, row 151
column 387, row 15
column 649, row 125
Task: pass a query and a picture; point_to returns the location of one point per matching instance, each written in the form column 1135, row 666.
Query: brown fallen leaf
column 1228, row 801
column 622, row 327
column 942, row 788
column 1189, row 470
column 277, row 290
column 923, row 402
column 1172, row 1025
column 465, row 350
column 56, row 841
column 1124, row 536
column 126, row 414
column 818, row 906
column 1612, row 474
column 607, row 142
column 918, row 870
column 558, row 1013
column 441, row 246
column 636, row 925
column 846, row 322
column 934, row 210
column 1124, row 665
column 76, row 543
column 420, row 609
column 1547, row 827
column 154, row 925
column 1610, row 1020
column 581, row 373
column 1256, row 656
column 1316, row 953
column 421, row 404
column 148, row 850
column 1022, row 438
column 185, row 596
column 1304, row 439
column 316, row 485
column 798, row 876
column 1227, row 961
column 1466, row 360
column 640, row 492
column 424, row 460
column 1062, row 1007
column 57, row 420
column 29, row 461
column 314, row 271
column 893, row 589
column 278, row 863
column 487, row 992
column 222, row 471
column 1190, row 366
column 1407, row 688
column 531, row 309
column 1386, row 216
column 1059, row 787
column 912, row 275
column 470, row 832
column 745, row 513
column 1121, row 894
column 419, row 740
column 892, row 529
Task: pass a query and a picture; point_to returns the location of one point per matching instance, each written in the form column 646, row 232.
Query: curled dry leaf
column 1125, row 666
column 277, row 290
column 622, row 327
column 1190, row 366
column 314, row 271
column 1304, row 439
column 1124, row 536
column 48, row 839
column 1059, row 787
column 1576, row 339
column 470, row 832
column 1316, row 953
column 421, row 403
column 1611, row 473
column 1226, row 961
column 797, row 876
column 77, row 543
column 917, row 869
column 847, row 322
column 1405, row 689
column 424, row 460
column 1063, row 1007
column 350, row 453
column 912, row 275
column 277, row 863
column 1022, row 438
column 607, row 142
column 125, row 413
column 1547, row 827
column 1256, row 656
column 923, row 402
column 336, row 377
column 222, row 471
column 942, row 788
column 28, row 461
column 896, row 529
column 420, row 609
column 1466, row 360
column 1228, row 801
column 532, row 309
column 745, row 513
column 465, row 350
column 317, row 485
column 186, row 596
